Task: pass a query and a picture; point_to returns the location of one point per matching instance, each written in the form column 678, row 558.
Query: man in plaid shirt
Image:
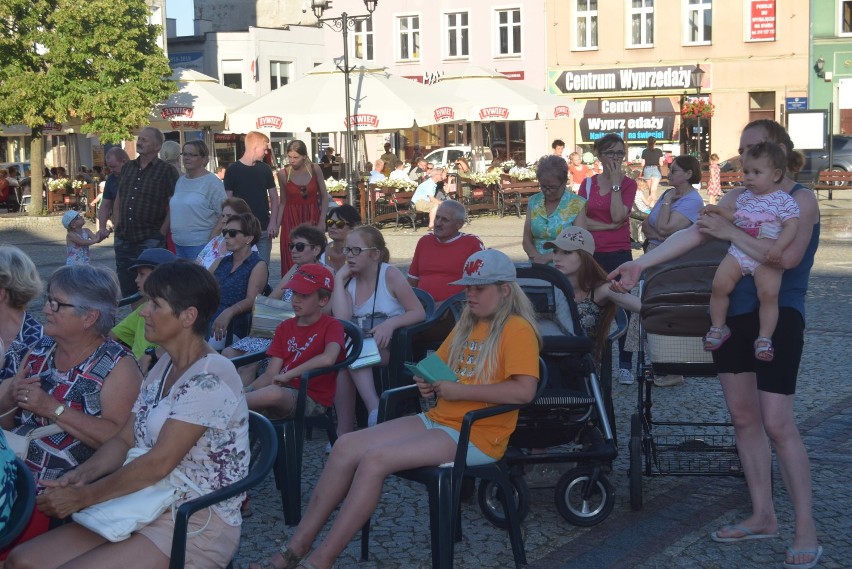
column 144, row 190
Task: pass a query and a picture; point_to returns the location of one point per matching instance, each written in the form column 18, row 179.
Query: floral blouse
column 209, row 394
column 548, row 227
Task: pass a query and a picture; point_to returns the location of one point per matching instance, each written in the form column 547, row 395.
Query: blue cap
column 152, row 258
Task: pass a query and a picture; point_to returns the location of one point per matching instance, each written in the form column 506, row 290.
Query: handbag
column 370, row 355
column 20, row 444
column 119, row 517
column 267, row 314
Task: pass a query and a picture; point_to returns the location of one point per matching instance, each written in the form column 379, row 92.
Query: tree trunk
column 37, row 166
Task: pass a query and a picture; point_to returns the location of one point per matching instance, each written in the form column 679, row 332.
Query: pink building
column 423, row 40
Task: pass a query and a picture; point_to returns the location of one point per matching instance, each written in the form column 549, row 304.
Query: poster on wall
column 632, row 119
column 760, row 20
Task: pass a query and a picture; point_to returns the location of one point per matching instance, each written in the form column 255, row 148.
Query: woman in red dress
column 304, row 198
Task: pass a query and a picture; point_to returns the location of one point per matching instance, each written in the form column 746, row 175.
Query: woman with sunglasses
column 376, row 296
column 339, row 222
column 610, row 196
column 306, row 246
column 196, row 203
column 242, row 276
column 304, row 198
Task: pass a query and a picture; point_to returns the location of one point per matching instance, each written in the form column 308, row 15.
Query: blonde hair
column 374, row 238
column 516, row 303
column 18, row 276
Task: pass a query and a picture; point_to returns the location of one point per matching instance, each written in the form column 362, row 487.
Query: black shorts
column 737, row 354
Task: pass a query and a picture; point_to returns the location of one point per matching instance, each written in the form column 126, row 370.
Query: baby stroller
column 568, row 423
column 674, row 318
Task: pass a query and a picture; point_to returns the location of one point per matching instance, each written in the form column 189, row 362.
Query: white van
column 446, row 157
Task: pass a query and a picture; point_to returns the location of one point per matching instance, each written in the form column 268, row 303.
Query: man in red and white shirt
column 440, row 256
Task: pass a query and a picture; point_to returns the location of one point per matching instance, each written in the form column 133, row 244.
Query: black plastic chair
column 291, row 432
column 264, row 450
column 445, row 483
column 135, row 297
column 22, row 508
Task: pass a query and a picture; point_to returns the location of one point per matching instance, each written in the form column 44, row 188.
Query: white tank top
column 387, row 306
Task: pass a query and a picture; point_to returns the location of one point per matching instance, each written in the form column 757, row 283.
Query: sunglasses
column 300, row 246
column 231, row 232
column 340, row 224
column 304, row 190
column 355, row 251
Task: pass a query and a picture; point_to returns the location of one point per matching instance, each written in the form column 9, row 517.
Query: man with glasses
column 251, row 179
column 144, row 189
column 440, row 256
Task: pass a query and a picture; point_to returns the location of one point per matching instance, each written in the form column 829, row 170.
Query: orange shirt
column 517, row 355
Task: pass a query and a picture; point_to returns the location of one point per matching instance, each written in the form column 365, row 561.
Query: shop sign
column 176, row 112
column 222, row 137
column 761, row 20
column 632, row 119
column 514, row 75
column 444, row 113
column 269, row 121
column 363, row 120
column 797, row 103
column 486, row 113
column 635, row 79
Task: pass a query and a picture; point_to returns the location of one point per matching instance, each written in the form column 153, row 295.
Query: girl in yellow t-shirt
column 494, row 351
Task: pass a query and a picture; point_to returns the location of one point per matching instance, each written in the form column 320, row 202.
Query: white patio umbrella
column 200, row 101
column 491, row 96
column 316, row 103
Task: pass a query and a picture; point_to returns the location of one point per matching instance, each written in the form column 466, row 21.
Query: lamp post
column 697, row 76
column 344, row 23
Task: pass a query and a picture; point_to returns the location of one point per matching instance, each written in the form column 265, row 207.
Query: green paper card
column 432, row 368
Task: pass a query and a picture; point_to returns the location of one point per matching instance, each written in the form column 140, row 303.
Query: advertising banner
column 632, row 119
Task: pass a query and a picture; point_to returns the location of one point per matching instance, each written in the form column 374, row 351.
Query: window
column 457, row 35
column 699, row 22
column 509, row 32
column 641, row 23
column 279, row 73
column 844, row 19
column 587, row 24
column 363, row 39
column 409, row 37
column 232, row 73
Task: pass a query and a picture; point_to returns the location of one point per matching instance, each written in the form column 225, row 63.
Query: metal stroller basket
column 570, row 420
column 674, row 318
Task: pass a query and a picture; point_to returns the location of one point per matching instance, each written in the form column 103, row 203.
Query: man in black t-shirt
column 251, row 179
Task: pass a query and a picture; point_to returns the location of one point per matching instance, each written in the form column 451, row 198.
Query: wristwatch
column 616, row 188
column 59, row 411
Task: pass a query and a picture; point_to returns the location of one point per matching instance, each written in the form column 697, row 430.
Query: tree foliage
column 93, row 65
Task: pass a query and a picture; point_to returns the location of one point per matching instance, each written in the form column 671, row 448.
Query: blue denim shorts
column 652, row 172
column 475, row 457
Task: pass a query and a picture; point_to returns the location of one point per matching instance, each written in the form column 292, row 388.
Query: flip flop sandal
column 305, row 564
column 291, row 560
column 817, row 553
column 712, row 343
column 763, row 349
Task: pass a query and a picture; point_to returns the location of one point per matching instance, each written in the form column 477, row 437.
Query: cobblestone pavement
column 679, row 512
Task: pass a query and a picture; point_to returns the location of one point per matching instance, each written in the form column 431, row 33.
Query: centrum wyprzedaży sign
column 628, row 79
column 632, row 119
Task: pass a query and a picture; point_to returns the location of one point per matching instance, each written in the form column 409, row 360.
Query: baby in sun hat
column 78, row 238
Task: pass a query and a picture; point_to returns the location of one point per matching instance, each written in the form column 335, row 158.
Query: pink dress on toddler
column 761, row 216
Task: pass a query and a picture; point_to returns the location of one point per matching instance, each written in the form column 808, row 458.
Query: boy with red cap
column 308, row 341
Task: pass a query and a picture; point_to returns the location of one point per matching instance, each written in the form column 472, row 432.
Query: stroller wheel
column 490, row 499
column 635, row 448
column 581, row 503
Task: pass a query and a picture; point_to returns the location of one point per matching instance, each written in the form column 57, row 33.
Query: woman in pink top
column 610, row 196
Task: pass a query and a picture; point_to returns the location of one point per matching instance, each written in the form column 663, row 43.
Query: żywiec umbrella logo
column 442, row 113
column 561, row 111
column 363, row 120
column 173, row 112
column 493, row 113
column 269, row 121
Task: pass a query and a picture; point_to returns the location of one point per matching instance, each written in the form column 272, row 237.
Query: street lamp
column 345, row 23
column 697, row 76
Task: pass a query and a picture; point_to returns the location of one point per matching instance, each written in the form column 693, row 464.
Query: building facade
column 632, row 62
column 423, row 40
column 830, row 68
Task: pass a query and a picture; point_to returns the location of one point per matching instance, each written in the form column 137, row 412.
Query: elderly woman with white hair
column 74, row 377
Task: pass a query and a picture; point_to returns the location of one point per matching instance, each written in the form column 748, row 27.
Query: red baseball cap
column 309, row 278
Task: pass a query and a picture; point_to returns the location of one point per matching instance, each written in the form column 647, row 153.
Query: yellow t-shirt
column 517, row 355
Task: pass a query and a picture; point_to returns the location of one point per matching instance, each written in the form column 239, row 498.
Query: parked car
column 447, row 156
column 817, row 160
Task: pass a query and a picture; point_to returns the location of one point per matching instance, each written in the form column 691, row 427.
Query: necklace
column 81, row 357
